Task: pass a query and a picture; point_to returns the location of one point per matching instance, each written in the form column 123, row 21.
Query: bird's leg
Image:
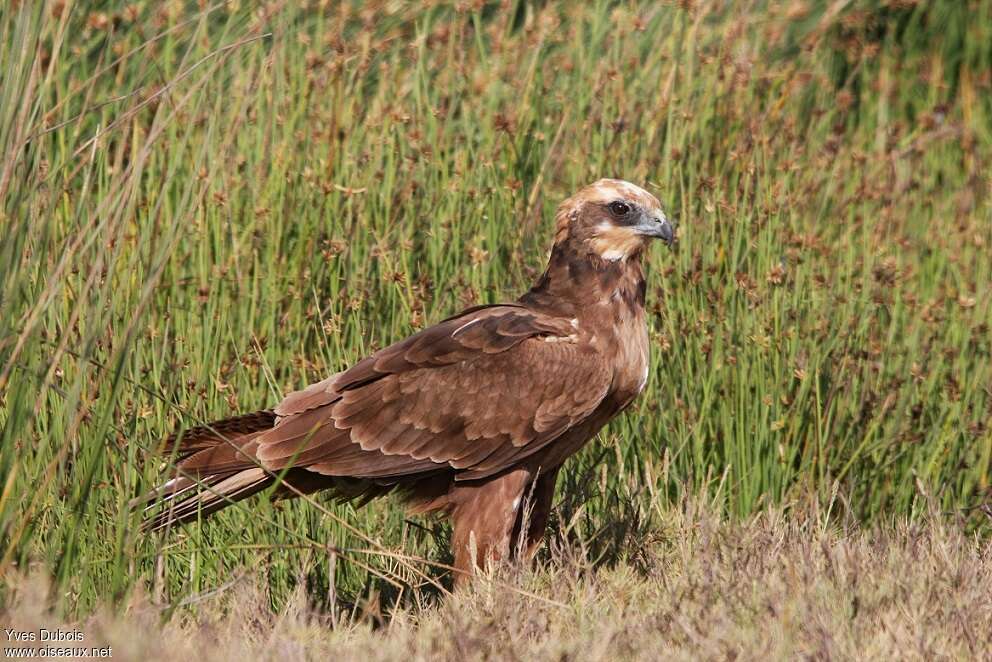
column 534, row 514
column 483, row 517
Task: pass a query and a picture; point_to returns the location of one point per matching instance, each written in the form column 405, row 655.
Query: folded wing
column 474, row 394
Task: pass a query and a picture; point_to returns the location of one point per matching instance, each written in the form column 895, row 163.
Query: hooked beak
column 656, row 226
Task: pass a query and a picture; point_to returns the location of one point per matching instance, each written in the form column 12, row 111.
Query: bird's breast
column 630, row 357
column 632, row 369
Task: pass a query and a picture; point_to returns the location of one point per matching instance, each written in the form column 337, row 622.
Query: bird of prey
column 471, row 418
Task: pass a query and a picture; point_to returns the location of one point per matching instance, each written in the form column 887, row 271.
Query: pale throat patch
column 614, row 243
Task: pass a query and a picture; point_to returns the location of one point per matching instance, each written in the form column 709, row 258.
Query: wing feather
column 474, row 394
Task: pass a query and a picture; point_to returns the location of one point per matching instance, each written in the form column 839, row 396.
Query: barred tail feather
column 212, row 471
column 205, row 497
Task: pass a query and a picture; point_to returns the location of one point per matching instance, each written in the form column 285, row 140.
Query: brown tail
column 215, row 467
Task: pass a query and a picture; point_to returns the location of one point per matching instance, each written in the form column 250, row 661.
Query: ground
column 780, row 585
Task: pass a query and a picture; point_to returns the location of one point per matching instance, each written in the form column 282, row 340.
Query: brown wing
column 475, row 393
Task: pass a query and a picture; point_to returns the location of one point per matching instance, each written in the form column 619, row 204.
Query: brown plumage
column 472, row 417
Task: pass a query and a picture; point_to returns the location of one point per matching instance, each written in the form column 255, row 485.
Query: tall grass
column 207, row 206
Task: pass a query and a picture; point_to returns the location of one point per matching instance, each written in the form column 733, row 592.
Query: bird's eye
column 619, row 208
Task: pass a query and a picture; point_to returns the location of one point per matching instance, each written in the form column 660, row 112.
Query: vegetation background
column 207, row 205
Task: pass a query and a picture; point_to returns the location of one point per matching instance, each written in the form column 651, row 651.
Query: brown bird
column 471, row 418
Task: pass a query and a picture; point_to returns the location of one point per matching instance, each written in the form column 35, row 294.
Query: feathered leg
column 488, row 517
column 534, row 514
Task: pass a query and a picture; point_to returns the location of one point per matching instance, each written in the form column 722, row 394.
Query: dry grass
column 776, row 586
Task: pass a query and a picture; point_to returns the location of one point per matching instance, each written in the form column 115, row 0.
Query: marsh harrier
column 471, row 418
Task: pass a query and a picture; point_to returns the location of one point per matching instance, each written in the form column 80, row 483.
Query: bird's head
column 613, row 219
